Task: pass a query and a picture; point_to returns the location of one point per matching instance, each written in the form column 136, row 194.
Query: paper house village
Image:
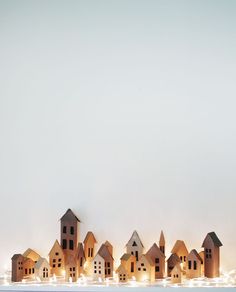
column 70, row 259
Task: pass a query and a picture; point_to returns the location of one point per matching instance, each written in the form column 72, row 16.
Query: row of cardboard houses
column 71, row 258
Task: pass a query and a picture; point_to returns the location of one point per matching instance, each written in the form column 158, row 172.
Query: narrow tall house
column 135, row 246
column 56, row 260
column 128, row 261
column 162, row 243
column 158, row 258
column 89, row 246
column 181, row 250
column 194, row 263
column 211, row 245
column 81, row 259
column 17, row 268
column 172, row 261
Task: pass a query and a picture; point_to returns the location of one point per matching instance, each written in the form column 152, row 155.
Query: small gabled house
column 122, row 274
column 31, row 254
column 42, row 269
column 172, row 261
column 162, row 243
column 128, row 261
column 194, row 263
column 17, row 272
column 89, row 246
column 56, row 259
column 176, row 274
column 211, row 245
column 134, row 246
column 103, row 263
column 81, row 259
column 158, row 258
column 181, row 250
column 145, row 269
column 28, row 268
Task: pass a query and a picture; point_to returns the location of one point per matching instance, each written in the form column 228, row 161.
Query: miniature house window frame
column 132, row 267
column 208, row 253
column 72, row 230
column 64, row 229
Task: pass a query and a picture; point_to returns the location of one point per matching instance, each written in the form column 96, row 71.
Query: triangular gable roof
column 178, row 245
column 174, row 258
column 56, row 244
column 40, row 263
column 81, row 250
column 104, row 253
column 90, row 235
column 177, row 268
column 154, row 251
column 121, row 269
column 125, row 257
column 135, row 237
column 162, row 238
column 196, row 254
column 148, row 258
column 68, row 213
column 214, row 239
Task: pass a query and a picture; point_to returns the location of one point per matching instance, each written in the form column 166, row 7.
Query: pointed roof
column 162, row 239
column 148, row 258
column 177, row 268
column 125, row 257
column 154, row 251
column 135, row 238
column 105, row 253
column 179, row 244
column 196, row 254
column 90, row 235
column 214, row 239
column 40, row 263
column 81, row 250
column 121, row 269
column 56, row 244
column 69, row 213
column 174, row 258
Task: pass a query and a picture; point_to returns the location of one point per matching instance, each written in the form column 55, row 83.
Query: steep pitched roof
column 177, row 268
column 135, row 238
column 196, row 254
column 56, row 244
column 154, row 251
column 40, row 263
column 81, row 250
column 179, row 244
column 90, row 235
column 148, row 258
column 104, row 253
column 174, row 258
column 214, row 239
column 162, row 239
column 121, row 269
column 69, row 213
column 125, row 257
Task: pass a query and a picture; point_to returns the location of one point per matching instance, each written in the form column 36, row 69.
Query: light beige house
column 31, row 254
column 211, row 245
column 80, row 259
column 176, row 274
column 158, row 259
column 122, row 274
column 89, row 246
column 42, row 269
column 17, row 268
column 145, row 269
column 162, row 242
column 103, row 263
column 56, row 260
column 172, row 261
column 128, row 261
column 194, row 263
column 134, row 246
column 181, row 251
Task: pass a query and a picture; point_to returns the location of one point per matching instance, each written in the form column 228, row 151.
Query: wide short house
column 57, row 260
column 145, row 269
column 171, row 262
column 181, row 251
column 176, row 274
column 158, row 259
column 122, row 274
column 128, row 261
column 211, row 245
column 194, row 263
column 134, row 246
column 42, row 269
column 103, row 262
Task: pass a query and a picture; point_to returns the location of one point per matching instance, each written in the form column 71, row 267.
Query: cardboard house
column 57, row 260
column 201, row 254
column 31, row 254
column 162, row 243
column 134, row 246
column 122, row 274
column 145, row 269
column 80, row 259
column 103, row 262
column 42, row 269
column 158, row 259
column 181, row 251
column 194, row 263
column 128, row 261
column 176, row 274
column 172, row 261
column 28, row 269
column 17, row 268
column 89, row 246
column 211, row 245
